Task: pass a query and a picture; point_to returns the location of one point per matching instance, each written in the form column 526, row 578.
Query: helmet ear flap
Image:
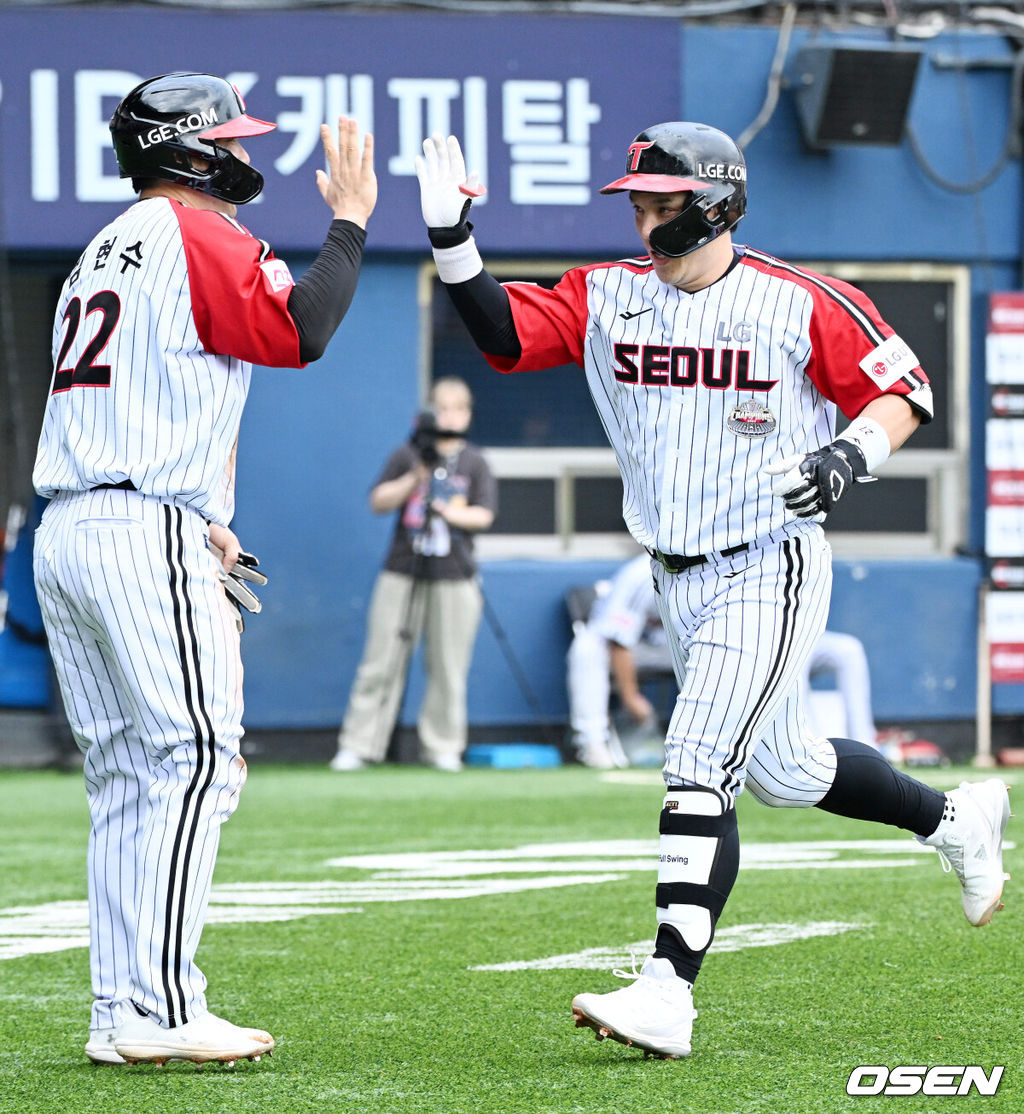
column 712, row 210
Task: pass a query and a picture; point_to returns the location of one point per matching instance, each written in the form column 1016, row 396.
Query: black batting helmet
column 162, row 123
column 670, row 158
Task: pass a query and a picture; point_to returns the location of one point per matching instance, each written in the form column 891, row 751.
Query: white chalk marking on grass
column 732, row 939
column 630, row 855
column 59, row 925
column 445, row 875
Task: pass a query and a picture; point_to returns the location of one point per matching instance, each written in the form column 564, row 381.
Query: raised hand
column 349, row 186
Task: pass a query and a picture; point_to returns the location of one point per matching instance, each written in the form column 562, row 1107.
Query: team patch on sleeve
column 889, row 362
column 276, row 274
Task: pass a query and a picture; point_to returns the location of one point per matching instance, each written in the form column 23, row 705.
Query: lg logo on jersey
column 927, row 1081
column 659, row 365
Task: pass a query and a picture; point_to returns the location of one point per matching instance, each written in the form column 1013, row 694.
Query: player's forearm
column 483, row 305
column 480, row 300
column 320, row 299
column 895, row 415
column 623, row 668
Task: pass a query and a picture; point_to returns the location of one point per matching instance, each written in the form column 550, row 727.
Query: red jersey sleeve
column 855, row 356
column 239, row 291
column 550, row 324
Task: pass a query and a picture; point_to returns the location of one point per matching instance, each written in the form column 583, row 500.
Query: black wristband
column 450, row 237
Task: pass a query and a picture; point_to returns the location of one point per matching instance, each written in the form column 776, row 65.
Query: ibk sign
column 544, row 132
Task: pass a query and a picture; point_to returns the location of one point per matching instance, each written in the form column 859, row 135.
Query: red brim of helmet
column 236, row 128
column 652, row 183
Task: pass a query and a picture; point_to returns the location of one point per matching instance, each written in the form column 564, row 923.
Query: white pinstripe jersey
column 698, row 392
column 631, row 605
column 154, row 338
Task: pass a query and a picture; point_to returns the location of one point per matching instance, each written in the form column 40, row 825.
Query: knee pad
column 697, row 863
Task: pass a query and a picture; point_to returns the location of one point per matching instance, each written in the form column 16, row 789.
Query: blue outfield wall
column 312, row 441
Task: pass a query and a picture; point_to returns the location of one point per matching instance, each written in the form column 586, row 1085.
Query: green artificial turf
column 381, row 1010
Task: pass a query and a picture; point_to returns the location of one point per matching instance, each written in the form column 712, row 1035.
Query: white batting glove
column 793, row 486
column 446, row 192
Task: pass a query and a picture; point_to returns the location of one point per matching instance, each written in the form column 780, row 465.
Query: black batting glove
column 236, row 584
column 812, row 484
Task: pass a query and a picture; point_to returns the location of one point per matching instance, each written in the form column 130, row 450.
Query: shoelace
column 659, row 987
column 948, row 864
column 634, row 974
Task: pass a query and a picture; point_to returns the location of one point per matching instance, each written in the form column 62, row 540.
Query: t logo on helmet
column 635, row 151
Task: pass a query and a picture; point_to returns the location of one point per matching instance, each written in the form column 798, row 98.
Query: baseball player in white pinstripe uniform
column 717, row 371
column 155, row 335
column 623, row 634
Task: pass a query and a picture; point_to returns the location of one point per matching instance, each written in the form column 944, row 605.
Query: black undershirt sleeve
column 483, row 305
column 320, row 299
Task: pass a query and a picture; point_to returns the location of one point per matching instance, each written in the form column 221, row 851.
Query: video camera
column 426, row 434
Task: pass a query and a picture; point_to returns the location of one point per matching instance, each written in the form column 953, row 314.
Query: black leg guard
column 699, row 861
column 866, row 787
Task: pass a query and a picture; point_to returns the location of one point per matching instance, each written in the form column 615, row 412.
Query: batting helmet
column 164, row 123
column 706, row 163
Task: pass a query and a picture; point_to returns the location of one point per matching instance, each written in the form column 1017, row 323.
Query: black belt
column 675, row 562
column 124, row 485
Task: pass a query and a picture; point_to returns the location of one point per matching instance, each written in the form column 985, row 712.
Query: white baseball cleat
column 969, row 840
column 654, row 1013
column 100, row 1047
column 595, row 753
column 206, row 1038
column 346, row 761
column 448, row 763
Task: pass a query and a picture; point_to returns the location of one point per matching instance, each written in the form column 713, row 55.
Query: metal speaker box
column 854, row 94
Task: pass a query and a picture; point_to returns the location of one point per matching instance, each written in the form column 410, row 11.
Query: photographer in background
column 445, row 493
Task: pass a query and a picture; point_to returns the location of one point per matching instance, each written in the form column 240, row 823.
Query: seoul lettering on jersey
column 659, row 365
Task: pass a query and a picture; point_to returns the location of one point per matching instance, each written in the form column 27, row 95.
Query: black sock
column 866, row 787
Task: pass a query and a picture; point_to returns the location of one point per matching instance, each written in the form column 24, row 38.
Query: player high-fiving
column 718, row 372
column 156, row 331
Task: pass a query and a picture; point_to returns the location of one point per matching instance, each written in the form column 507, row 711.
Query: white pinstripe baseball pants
column 740, row 629
column 146, row 650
